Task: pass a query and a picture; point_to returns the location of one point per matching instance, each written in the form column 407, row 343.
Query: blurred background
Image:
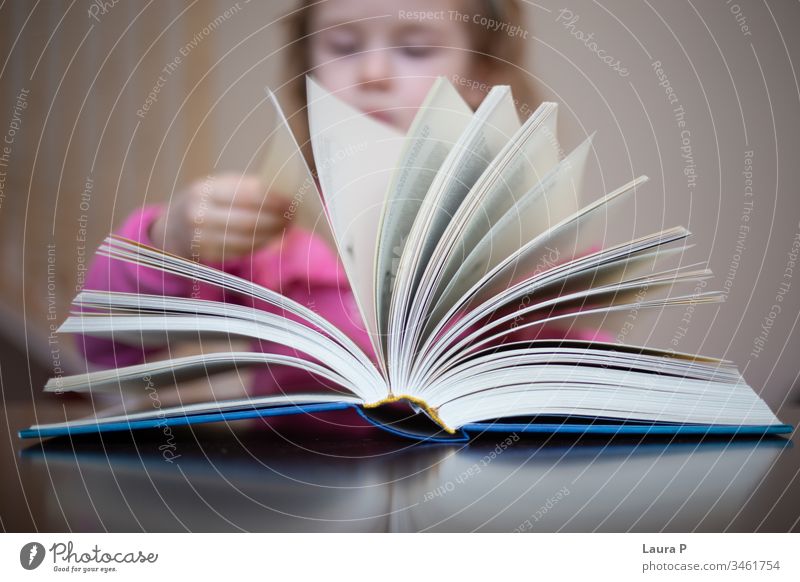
column 701, row 96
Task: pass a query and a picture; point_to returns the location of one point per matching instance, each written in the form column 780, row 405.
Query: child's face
column 376, row 54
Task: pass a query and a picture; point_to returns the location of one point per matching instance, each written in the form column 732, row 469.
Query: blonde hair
column 498, row 55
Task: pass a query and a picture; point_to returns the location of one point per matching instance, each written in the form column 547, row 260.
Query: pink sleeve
column 105, row 274
column 110, row 275
column 301, row 262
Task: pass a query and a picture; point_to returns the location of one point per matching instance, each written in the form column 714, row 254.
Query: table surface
column 248, row 478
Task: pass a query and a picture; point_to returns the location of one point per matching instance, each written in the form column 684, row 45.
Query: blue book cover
column 414, row 427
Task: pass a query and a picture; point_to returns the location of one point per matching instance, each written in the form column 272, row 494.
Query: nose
column 375, row 68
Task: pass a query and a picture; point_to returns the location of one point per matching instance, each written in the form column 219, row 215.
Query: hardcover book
column 474, row 246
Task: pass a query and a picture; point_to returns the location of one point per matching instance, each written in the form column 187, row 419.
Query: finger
column 259, row 201
column 257, row 234
column 245, row 221
column 249, row 192
column 226, row 189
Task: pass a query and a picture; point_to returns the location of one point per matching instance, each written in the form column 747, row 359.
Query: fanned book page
column 471, row 261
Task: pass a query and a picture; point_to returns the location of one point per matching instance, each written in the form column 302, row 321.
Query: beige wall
column 86, row 78
column 739, row 92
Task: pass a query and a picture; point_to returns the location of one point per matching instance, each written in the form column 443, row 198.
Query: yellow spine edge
column 430, row 410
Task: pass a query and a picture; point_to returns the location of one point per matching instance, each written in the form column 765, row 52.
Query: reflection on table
column 255, row 480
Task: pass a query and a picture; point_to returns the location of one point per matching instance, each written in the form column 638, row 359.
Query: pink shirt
column 301, row 267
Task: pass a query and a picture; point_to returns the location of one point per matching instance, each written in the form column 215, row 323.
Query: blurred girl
column 381, row 57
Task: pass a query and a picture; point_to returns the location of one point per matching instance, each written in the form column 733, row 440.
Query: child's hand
column 220, row 217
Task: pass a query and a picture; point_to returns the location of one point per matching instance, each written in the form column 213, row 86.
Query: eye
column 342, row 43
column 343, row 48
column 418, row 51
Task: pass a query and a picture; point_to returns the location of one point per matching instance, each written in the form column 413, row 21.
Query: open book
column 462, row 240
